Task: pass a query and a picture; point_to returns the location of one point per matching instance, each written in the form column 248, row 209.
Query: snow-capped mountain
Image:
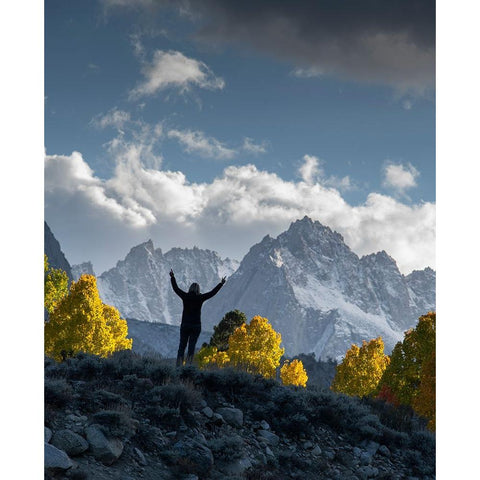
column 314, row 290
column 139, row 286
column 320, row 295
column 81, row 269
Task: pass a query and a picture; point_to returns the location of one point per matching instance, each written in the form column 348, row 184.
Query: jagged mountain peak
column 380, row 260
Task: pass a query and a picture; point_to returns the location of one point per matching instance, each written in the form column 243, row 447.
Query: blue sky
column 211, row 126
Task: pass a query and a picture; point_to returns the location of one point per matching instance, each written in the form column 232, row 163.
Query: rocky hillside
column 137, row 417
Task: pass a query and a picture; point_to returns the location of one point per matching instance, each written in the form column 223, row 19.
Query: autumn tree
column 82, row 323
column 210, row 356
column 361, row 369
column 221, row 332
column 293, row 373
column 424, row 401
column 410, row 377
column 55, row 285
column 255, row 347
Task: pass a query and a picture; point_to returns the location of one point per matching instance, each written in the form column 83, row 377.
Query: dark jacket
column 192, row 303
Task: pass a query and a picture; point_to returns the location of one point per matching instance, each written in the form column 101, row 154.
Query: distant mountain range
column 321, row 296
column 314, row 290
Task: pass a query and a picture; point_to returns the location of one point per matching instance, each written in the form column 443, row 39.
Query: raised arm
column 177, row 290
column 213, row 292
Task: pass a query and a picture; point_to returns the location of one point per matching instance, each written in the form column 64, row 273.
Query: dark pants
column 188, row 334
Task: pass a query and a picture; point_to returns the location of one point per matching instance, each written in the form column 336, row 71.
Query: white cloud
column 172, row 69
column 400, row 177
column 114, row 118
column 197, row 142
column 250, row 146
column 312, row 171
column 100, row 220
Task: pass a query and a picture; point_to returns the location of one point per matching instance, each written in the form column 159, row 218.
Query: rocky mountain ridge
column 311, row 286
column 321, row 296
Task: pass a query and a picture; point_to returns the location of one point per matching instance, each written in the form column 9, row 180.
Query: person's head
column 194, row 288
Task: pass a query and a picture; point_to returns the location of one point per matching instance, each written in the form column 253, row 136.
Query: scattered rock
column 72, row 443
column 171, row 434
column 316, row 450
column 383, row 450
column 307, row 445
column 48, row 434
column 367, row 472
column 208, row 412
column 265, row 425
column 269, row 452
column 268, row 437
column 237, row 467
column 104, row 449
column 233, row 416
column 217, row 419
column 365, row 458
column 55, row 458
column 140, row 456
column 193, row 457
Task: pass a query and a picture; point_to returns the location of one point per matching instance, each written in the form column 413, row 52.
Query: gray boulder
column 103, row 449
column 72, row 443
column 140, row 457
column 236, row 467
column 208, row 412
column 193, row 457
column 55, row 458
column 268, row 437
column 233, row 416
column 48, row 434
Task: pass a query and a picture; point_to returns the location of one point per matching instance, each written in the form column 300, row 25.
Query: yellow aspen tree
column 361, row 369
column 55, row 285
column 82, row 323
column 210, row 356
column 255, row 347
column 293, row 373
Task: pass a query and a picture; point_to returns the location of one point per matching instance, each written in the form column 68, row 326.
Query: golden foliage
column 255, row 347
column 55, row 285
column 82, row 323
column 293, row 373
column 361, row 369
column 208, row 356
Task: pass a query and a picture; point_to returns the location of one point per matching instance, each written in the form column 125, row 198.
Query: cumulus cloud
column 197, row 142
column 378, row 42
column 312, row 171
column 99, row 220
column 400, row 177
column 172, row 69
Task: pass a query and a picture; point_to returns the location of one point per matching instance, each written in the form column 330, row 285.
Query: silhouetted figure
column 191, row 316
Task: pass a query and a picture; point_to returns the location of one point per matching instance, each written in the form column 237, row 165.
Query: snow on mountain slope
column 320, row 296
column 139, row 286
column 314, row 290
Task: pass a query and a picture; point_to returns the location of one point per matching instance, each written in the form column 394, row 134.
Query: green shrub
column 115, row 423
column 58, row 392
column 227, row 448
